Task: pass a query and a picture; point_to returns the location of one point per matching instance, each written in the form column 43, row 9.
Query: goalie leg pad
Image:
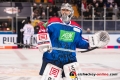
column 52, row 72
column 72, row 70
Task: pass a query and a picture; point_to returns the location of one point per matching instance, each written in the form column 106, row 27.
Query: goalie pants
column 44, row 64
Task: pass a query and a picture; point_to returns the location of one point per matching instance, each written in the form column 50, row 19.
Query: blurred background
column 92, row 15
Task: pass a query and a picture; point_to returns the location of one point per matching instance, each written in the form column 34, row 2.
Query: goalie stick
column 54, row 48
column 88, row 50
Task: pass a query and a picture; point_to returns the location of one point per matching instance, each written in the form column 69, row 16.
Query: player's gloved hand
column 99, row 39
column 44, row 43
column 45, row 47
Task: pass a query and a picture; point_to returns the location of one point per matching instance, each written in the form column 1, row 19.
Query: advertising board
column 114, row 40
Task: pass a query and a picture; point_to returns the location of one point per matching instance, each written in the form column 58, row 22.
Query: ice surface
column 24, row 64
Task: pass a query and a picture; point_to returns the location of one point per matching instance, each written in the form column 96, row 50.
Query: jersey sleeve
column 82, row 43
column 78, row 25
column 50, row 28
column 24, row 28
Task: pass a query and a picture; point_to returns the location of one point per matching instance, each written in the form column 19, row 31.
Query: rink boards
column 113, row 44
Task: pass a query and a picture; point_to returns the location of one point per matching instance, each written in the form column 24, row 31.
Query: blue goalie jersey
column 65, row 38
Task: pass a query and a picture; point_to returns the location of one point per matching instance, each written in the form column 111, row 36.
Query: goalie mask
column 66, row 12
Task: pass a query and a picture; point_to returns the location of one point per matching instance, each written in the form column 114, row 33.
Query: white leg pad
column 72, row 70
column 52, row 72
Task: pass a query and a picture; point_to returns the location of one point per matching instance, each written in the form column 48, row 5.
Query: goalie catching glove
column 99, row 39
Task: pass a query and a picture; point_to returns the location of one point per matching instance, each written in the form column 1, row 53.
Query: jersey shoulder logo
column 67, row 36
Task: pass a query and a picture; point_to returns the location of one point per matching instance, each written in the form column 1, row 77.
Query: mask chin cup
column 66, row 19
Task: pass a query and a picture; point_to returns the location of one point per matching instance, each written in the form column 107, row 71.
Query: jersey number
column 28, row 30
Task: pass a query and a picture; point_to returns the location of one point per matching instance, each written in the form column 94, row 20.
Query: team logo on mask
column 67, row 36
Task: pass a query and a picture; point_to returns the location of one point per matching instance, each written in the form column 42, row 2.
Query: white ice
column 24, row 64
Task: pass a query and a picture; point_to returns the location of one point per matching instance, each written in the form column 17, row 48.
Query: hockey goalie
column 59, row 45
